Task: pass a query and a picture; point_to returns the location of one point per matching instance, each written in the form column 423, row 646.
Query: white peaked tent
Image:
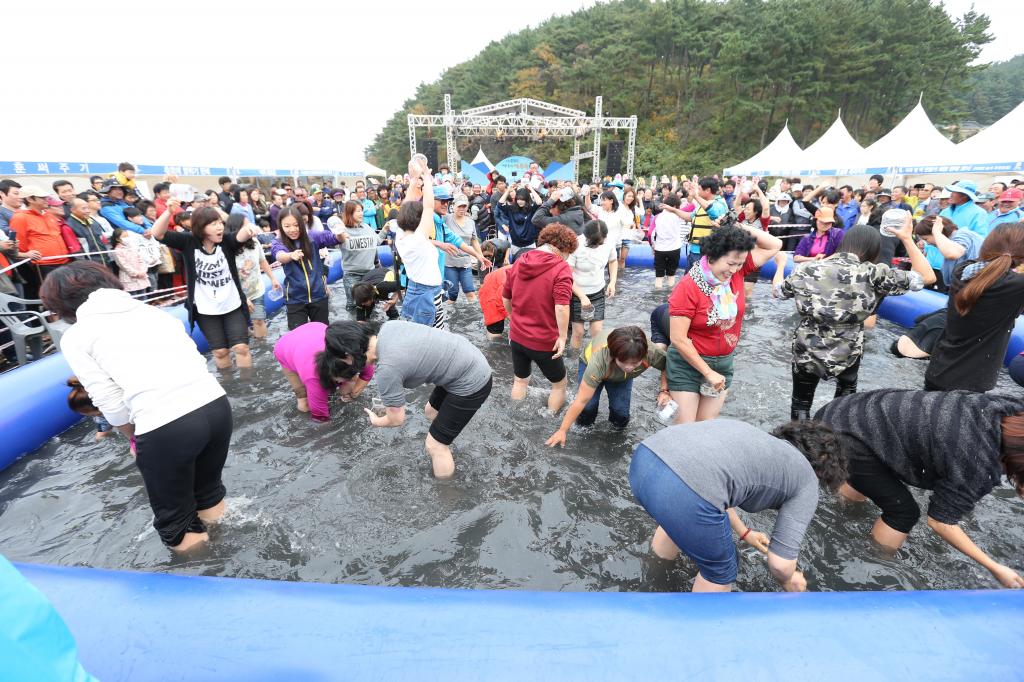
column 781, row 157
column 482, row 158
column 913, row 143
column 1000, row 147
column 834, row 150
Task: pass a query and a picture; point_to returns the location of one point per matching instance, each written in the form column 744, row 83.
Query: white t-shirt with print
column 216, row 293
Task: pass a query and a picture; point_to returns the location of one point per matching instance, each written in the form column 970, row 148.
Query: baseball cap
column 337, row 191
column 461, row 200
column 884, row 192
column 52, row 201
column 313, row 189
column 825, row 214
column 34, row 191
column 1011, row 195
column 945, row 194
column 796, row 188
column 280, row 192
column 441, row 193
column 984, row 196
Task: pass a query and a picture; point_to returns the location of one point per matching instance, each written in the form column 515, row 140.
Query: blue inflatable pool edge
column 146, row 626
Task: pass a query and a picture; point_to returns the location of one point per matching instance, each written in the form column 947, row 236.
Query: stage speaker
column 613, row 158
column 430, row 151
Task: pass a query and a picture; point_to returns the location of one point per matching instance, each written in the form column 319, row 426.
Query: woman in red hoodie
column 537, row 293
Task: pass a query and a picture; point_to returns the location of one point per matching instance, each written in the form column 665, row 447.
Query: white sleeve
column 106, row 395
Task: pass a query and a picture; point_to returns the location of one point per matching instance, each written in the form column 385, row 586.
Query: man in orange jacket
column 40, row 232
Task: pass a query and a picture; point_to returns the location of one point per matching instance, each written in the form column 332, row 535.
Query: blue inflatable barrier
column 146, row 626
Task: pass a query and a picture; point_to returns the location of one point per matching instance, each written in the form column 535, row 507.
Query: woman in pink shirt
column 298, row 353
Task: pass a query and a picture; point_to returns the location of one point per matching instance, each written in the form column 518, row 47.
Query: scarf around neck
column 724, row 306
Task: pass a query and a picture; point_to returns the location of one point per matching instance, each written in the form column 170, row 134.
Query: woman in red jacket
column 491, row 304
column 537, row 293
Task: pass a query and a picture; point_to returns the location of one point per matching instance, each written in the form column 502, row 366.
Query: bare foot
column 302, row 404
column 100, row 435
column 190, row 541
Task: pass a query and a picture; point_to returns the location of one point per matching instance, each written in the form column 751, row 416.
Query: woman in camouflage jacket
column 834, row 296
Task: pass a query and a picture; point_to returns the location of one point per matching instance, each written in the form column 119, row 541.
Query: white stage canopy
column 482, row 158
column 834, row 150
column 780, row 157
column 996, row 149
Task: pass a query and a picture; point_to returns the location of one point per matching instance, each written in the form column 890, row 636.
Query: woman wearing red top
column 706, row 316
column 537, row 292
column 491, row 304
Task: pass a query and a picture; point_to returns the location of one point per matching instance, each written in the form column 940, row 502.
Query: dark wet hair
column 673, row 200
column 708, row 182
column 79, row 399
column 627, row 343
column 924, row 226
column 821, row 446
column 499, row 247
column 559, row 236
column 344, row 353
column 364, row 294
column 595, row 232
column 65, row 289
column 724, row 240
column 863, row 241
column 409, row 215
column 1013, row 450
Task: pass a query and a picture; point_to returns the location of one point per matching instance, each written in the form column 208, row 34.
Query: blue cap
column 441, row 194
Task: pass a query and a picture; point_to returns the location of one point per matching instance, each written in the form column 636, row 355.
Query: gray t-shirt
column 411, row 355
column 359, row 251
column 467, row 233
column 733, row 464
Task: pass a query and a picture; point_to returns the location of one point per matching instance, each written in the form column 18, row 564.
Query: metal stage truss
column 528, row 118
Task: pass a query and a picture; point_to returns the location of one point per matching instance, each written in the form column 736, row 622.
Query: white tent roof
column 914, row 142
column 780, row 157
column 1000, row 147
column 482, row 158
column 834, row 150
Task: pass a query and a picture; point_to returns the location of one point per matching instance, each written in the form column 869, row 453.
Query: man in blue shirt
column 847, row 210
column 1008, row 210
column 955, row 245
column 113, row 206
column 963, row 211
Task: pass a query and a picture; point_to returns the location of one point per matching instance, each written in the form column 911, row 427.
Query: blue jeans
column 418, row 304
column 619, row 394
column 698, row 528
column 455, row 278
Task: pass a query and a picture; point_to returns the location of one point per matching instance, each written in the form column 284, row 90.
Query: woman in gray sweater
column 690, row 477
column 958, row 444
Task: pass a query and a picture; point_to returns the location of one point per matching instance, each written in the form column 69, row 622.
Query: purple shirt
column 832, row 239
column 296, row 351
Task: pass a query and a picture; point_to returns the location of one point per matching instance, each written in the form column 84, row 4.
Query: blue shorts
column 418, row 304
column 698, row 528
column 259, row 309
column 456, row 278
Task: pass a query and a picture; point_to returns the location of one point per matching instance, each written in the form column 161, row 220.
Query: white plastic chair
column 27, row 327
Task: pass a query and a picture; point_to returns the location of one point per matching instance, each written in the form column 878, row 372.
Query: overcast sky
column 286, row 84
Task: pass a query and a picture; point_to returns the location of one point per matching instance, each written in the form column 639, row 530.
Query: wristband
column 745, row 534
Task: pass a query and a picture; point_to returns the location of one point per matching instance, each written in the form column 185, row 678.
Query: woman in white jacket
column 144, row 374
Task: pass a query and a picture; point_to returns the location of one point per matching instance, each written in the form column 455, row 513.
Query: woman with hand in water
column 610, row 362
column 308, row 370
column 691, row 477
column 409, row 355
column 958, row 444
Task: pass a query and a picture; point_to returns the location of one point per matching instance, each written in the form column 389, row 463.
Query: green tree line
column 710, row 81
column 996, row 90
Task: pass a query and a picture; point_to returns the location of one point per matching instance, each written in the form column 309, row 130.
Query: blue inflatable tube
column 140, row 627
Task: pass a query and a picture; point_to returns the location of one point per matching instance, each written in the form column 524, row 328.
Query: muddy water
column 340, row 502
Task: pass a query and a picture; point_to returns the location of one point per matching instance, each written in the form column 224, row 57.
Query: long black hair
column 344, row 353
column 234, row 223
column 303, row 241
column 862, row 241
column 595, row 232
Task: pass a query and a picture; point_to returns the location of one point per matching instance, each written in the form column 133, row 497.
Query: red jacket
column 536, row 283
column 490, row 296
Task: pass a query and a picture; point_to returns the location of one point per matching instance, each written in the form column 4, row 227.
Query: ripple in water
column 341, row 502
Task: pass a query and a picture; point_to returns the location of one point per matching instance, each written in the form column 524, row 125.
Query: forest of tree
column 712, row 81
column 995, row 90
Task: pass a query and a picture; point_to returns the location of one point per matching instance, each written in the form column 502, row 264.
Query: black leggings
column 806, row 383
column 455, row 411
column 666, row 263
column 872, row 478
column 180, row 463
column 301, row 313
